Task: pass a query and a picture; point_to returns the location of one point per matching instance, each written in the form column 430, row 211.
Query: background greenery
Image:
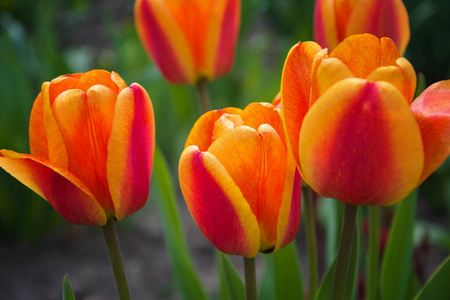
column 40, row 40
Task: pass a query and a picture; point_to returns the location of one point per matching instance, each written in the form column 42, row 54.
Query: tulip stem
column 310, row 241
column 344, row 251
column 115, row 258
column 250, row 278
column 373, row 252
column 203, row 96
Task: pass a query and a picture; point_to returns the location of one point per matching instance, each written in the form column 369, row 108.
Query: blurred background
column 40, row 40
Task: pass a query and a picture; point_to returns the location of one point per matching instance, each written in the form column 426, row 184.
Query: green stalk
column 344, row 251
column 311, row 241
column 373, row 252
column 115, row 258
column 250, row 278
column 203, row 96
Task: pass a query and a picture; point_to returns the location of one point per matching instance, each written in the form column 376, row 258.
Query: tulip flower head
column 189, row 40
column 354, row 130
column 91, row 142
column 239, row 180
column 334, row 20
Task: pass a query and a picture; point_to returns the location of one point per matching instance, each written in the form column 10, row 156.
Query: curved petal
column 65, row 192
column 361, row 144
column 217, row 205
column 383, row 18
column 163, row 37
column 201, row 134
column 99, row 77
column 295, row 89
column 130, row 151
column 85, row 121
column 432, row 112
column 325, row 29
column 409, row 77
column 121, row 84
column 36, row 129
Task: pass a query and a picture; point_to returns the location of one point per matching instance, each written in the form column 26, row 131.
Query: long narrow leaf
column 231, row 285
column 437, row 287
column 67, row 293
column 186, row 279
column 395, row 269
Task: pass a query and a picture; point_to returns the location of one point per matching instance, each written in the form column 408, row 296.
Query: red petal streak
column 130, row 151
column 65, row 193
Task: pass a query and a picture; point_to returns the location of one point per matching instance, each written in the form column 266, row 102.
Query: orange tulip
column 91, row 142
column 334, row 20
column 189, row 40
column 239, row 180
column 354, row 130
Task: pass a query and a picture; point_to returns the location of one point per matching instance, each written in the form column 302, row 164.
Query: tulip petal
column 65, row 192
column 409, row 78
column 432, row 112
column 325, row 29
column 290, row 210
column 217, row 205
column 295, row 89
column 360, row 144
column 201, row 134
column 85, row 121
column 163, row 37
column 36, row 129
column 383, row 18
column 130, row 151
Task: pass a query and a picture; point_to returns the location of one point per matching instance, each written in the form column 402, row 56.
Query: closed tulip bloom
column 334, row 20
column 354, row 130
column 189, row 40
column 91, row 143
column 240, row 181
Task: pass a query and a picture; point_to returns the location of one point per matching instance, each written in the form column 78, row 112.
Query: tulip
column 239, row 180
column 91, row 143
column 334, row 20
column 356, row 135
column 189, row 40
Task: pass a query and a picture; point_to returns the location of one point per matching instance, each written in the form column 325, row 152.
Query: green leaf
column 67, row 293
column 395, row 269
column 231, row 285
column 186, row 279
column 437, row 287
column 324, row 292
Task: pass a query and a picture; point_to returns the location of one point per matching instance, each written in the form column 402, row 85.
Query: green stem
column 250, row 278
column 373, row 252
column 203, row 96
column 115, row 258
column 344, row 251
column 311, row 241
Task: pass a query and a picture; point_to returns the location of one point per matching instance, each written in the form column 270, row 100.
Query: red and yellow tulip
column 189, row 40
column 239, row 180
column 91, row 142
column 354, row 130
column 334, row 20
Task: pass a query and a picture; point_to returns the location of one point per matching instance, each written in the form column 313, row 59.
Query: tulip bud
column 189, row 40
column 91, row 141
column 239, row 180
column 334, row 20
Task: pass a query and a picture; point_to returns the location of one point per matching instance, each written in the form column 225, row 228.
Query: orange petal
column 361, row 144
column 409, row 78
column 65, row 192
column 382, row 18
column 432, row 112
column 217, row 205
column 85, row 121
column 325, row 30
column 295, row 89
column 130, row 151
column 163, row 37
column 37, row 133
column 100, row 77
column 201, row 134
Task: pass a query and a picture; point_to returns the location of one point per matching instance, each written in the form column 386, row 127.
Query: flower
column 91, row 142
column 189, row 40
column 354, row 130
column 334, row 20
column 239, row 180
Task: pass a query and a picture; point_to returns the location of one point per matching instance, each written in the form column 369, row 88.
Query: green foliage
column 437, row 287
column 67, row 293
column 231, row 286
